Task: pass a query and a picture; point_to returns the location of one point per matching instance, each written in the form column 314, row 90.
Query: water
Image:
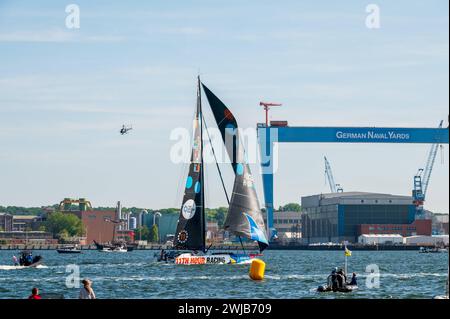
column 289, row 274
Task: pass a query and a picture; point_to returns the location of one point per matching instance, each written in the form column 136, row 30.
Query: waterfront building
column 380, row 239
column 421, row 227
column 167, row 224
column 6, row 222
column 27, row 237
column 288, row 225
column 98, row 225
column 338, row 217
column 435, row 240
column 26, row 222
column 213, row 232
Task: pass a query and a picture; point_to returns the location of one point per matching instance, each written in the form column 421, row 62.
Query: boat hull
column 208, row 259
column 36, row 262
column 67, row 251
column 348, row 288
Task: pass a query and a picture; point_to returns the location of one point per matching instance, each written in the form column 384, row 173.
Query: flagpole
column 346, row 261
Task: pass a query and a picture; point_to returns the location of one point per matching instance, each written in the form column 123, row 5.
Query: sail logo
column 248, row 180
column 182, row 236
column 255, row 232
column 189, row 209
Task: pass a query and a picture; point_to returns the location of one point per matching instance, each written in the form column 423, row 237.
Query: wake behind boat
column 244, row 218
column 27, row 260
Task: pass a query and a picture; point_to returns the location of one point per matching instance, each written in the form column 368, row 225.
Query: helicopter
column 124, row 130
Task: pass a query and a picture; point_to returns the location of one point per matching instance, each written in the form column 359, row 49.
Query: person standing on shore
column 87, row 292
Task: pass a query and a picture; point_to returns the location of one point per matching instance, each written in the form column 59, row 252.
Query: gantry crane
column 334, row 188
column 422, row 179
column 267, row 107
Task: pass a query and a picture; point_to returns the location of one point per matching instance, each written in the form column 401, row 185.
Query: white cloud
column 56, row 36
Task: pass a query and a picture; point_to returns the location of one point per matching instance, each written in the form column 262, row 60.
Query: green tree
column 217, row 215
column 60, row 224
column 42, row 228
column 291, row 207
column 154, row 234
column 142, row 233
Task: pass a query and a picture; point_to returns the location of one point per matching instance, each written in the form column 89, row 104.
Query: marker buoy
column 257, row 269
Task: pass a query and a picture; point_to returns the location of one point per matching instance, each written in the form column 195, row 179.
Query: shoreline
column 237, row 247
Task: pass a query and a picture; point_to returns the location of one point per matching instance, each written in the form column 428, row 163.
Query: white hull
column 215, row 259
column 117, row 250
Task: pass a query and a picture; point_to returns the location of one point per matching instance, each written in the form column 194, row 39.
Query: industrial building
column 338, row 217
column 6, row 222
column 380, row 239
column 167, row 223
column 420, row 227
column 19, row 223
column 97, row 226
column 28, row 237
column 288, row 225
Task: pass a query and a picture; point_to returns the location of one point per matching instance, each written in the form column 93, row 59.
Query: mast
column 202, row 178
column 190, row 233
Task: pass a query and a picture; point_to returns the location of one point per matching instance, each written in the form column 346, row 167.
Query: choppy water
column 289, row 274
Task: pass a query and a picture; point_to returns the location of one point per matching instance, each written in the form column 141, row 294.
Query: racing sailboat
column 244, row 218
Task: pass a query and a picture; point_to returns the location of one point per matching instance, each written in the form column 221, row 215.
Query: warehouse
column 380, row 239
column 337, row 217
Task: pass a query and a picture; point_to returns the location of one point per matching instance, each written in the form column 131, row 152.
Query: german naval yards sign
column 372, row 135
column 311, row 134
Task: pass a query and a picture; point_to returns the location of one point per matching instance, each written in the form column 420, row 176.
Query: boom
column 422, row 178
column 334, row 188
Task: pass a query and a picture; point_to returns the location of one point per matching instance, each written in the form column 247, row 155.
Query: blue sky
column 64, row 93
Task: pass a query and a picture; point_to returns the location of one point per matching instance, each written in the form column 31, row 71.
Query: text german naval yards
column 371, row 135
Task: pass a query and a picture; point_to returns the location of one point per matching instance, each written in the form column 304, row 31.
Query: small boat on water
column 426, row 250
column 69, row 250
column 336, row 282
column 27, row 259
column 244, row 218
column 347, row 288
column 119, row 247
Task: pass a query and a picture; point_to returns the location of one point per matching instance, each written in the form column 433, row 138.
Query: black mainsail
column 191, row 230
column 244, row 217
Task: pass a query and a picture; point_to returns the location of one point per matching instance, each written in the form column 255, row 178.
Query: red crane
column 267, row 107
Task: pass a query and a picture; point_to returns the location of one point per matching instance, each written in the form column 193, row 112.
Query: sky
column 65, row 93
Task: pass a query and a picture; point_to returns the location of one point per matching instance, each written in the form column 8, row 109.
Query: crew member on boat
column 353, row 282
column 341, row 278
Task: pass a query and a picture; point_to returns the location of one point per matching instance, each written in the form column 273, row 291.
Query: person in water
column 87, row 292
column 353, row 282
column 35, row 294
column 15, row 261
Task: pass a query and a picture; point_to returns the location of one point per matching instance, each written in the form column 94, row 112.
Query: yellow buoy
column 257, row 269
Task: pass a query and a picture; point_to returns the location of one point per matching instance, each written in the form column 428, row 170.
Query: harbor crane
column 334, row 188
column 267, row 107
column 422, row 179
